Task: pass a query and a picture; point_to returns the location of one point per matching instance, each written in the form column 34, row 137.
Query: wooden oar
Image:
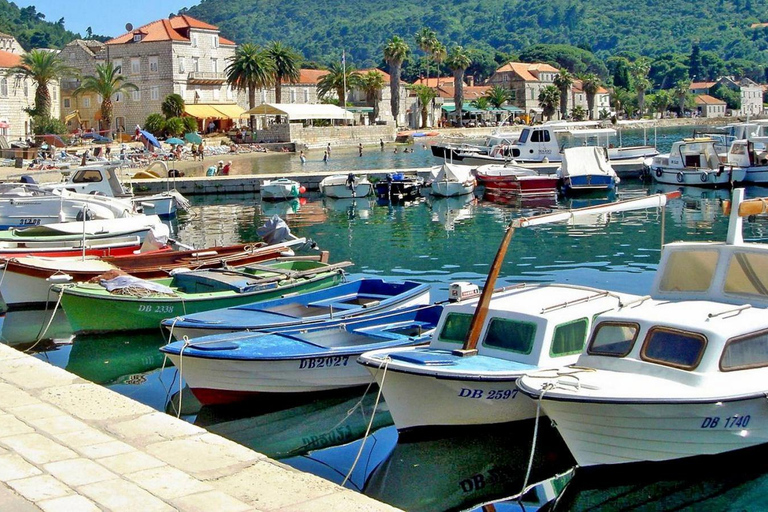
column 481, row 311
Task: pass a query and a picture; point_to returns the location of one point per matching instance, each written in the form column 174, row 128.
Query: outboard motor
column 26, row 178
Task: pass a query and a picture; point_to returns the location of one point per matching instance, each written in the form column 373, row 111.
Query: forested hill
column 30, row 27
column 320, row 29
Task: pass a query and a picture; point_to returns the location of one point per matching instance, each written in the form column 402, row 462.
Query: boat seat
column 350, row 302
column 424, row 358
column 207, row 281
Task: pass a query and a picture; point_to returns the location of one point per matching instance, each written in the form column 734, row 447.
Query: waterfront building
column 524, row 81
column 709, row 106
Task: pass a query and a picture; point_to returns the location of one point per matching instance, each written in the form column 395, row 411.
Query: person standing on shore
column 302, row 157
column 325, row 156
column 381, row 144
column 328, row 150
column 360, row 148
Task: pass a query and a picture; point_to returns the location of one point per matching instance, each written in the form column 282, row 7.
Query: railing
column 207, row 76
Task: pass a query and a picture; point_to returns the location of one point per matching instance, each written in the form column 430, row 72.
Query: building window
column 26, row 89
column 135, row 66
column 215, row 41
column 55, row 94
column 118, row 97
column 195, row 64
column 153, row 64
column 67, row 103
column 216, row 94
column 136, row 38
column 181, row 65
column 293, row 95
column 4, row 87
column 194, row 41
column 306, row 95
column 136, row 95
column 229, row 93
column 154, row 93
column 215, row 65
column 86, row 102
column 118, row 65
column 263, row 95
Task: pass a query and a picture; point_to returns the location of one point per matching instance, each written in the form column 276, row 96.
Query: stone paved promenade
column 68, row 445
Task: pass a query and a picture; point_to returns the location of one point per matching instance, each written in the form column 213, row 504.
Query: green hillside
column 30, row 28
column 320, row 29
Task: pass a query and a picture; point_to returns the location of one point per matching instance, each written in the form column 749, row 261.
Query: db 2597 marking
column 491, row 394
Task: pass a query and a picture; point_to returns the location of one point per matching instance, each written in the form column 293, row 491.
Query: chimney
column 470, row 81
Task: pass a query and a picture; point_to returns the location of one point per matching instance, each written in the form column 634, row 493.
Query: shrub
column 155, row 124
column 172, row 106
column 190, row 124
column 44, row 125
column 174, row 126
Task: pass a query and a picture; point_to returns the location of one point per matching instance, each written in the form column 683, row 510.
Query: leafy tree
column 695, row 65
column 497, row 96
column 425, row 95
column 576, row 60
column 590, row 84
column 682, row 94
column 458, row 61
column 42, row 67
column 172, row 106
column 564, row 81
column 481, row 103
column 640, row 69
column 668, row 69
column 729, row 96
column 372, row 83
column 250, row 68
column 620, row 100
column 155, row 124
column 338, row 80
column 426, row 40
column 174, row 127
column 549, row 99
column 620, row 71
column 45, row 125
column 394, row 53
column 578, row 113
column 286, row 65
column 660, row 101
column 107, row 83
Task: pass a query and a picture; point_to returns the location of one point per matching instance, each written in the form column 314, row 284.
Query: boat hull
column 344, row 192
column 279, row 190
column 451, row 188
column 539, row 185
column 617, row 433
column 97, row 312
column 398, row 191
column 588, row 183
column 698, row 177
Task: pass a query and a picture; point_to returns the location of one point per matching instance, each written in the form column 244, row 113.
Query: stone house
column 524, row 81
column 701, row 87
column 709, row 106
column 83, row 111
column 357, row 102
column 18, row 94
column 578, row 98
column 180, row 55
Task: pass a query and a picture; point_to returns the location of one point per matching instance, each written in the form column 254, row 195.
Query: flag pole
column 344, row 81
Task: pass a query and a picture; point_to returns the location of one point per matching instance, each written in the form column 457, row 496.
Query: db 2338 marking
column 323, row 362
column 491, row 394
column 149, row 308
column 735, row 421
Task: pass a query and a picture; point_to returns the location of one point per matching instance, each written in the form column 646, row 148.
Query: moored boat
column 280, row 189
column 398, row 187
column 681, row 373
column 586, row 169
column 695, row 162
column 125, row 303
column 516, row 179
column 347, row 300
column 343, row 186
column 230, row 367
column 449, row 180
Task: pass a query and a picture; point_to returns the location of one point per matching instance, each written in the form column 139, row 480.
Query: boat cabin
column 531, row 325
column 96, row 180
column 747, row 153
column 697, row 153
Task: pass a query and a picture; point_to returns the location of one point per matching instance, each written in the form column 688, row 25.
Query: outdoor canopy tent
column 301, row 111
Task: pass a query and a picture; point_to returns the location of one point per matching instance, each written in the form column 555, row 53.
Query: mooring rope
column 546, row 387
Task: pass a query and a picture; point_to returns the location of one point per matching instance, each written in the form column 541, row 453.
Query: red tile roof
column 706, row 99
column 309, row 76
column 701, row 85
column 527, row 71
column 173, row 29
column 577, row 87
column 387, row 76
column 470, row 93
column 8, row 59
column 434, row 81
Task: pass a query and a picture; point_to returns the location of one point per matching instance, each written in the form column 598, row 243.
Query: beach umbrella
column 173, row 141
column 151, row 138
column 194, row 138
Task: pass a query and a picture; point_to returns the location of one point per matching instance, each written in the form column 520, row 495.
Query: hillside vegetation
column 30, row 27
column 320, row 29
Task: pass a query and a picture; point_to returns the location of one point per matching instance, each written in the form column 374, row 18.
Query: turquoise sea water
column 437, row 241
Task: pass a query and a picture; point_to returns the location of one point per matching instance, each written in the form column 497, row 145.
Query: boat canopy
column 301, row 112
column 452, row 172
column 585, row 160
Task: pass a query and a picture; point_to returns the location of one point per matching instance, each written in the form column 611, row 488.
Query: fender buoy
column 659, row 172
column 704, row 176
column 680, row 177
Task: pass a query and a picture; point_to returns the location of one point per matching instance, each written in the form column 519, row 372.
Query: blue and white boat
column 361, row 297
column 586, row 169
column 230, row 367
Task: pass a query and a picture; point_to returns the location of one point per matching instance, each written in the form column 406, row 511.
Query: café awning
column 232, row 111
column 301, row 111
column 202, row 111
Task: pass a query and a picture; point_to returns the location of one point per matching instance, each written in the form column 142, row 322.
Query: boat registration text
column 323, row 362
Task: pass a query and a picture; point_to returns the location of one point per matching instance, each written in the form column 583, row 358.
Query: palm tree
column 107, row 83
column 639, row 71
column 590, row 84
column 287, row 65
column 42, row 67
column 250, row 68
column 497, row 96
column 458, row 61
column 549, row 98
column 395, row 53
column 425, row 94
column 426, row 39
column 372, row 84
column 620, row 99
column 681, row 93
column 661, row 101
column 172, row 106
column 563, row 81
column 338, row 80
column 439, row 54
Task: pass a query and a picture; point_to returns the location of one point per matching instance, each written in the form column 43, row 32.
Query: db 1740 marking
column 491, row 394
column 323, row 362
column 735, row 421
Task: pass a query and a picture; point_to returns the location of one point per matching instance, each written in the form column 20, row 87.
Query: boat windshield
column 689, row 271
column 524, row 136
column 613, row 339
column 455, row 328
column 511, row 335
column 747, row 274
column 750, row 351
column 674, row 348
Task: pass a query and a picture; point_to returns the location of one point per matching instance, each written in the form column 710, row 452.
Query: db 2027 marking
column 735, row 421
column 323, row 362
column 491, row 394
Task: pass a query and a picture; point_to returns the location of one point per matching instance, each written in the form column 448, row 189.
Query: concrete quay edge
column 67, row 444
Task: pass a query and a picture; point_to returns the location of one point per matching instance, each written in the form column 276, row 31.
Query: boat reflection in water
column 353, row 207
column 698, row 207
column 510, row 198
column 21, row 329
column 731, row 481
column 291, row 425
column 282, row 208
column 455, row 470
column 449, row 211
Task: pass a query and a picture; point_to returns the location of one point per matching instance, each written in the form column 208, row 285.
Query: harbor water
column 436, row 241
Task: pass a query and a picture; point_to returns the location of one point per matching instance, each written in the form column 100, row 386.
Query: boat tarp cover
column 449, row 172
column 122, row 282
column 585, row 160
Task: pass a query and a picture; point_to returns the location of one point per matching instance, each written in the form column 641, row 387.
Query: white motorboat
column 586, row 169
column 450, row 180
column 29, row 204
column 526, row 328
column 695, row 162
column 679, row 374
column 136, row 225
column 481, row 347
column 280, row 189
column 448, row 150
column 345, row 186
column 105, row 180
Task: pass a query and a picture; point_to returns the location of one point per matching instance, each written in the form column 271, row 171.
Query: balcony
column 206, row 78
column 69, row 85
